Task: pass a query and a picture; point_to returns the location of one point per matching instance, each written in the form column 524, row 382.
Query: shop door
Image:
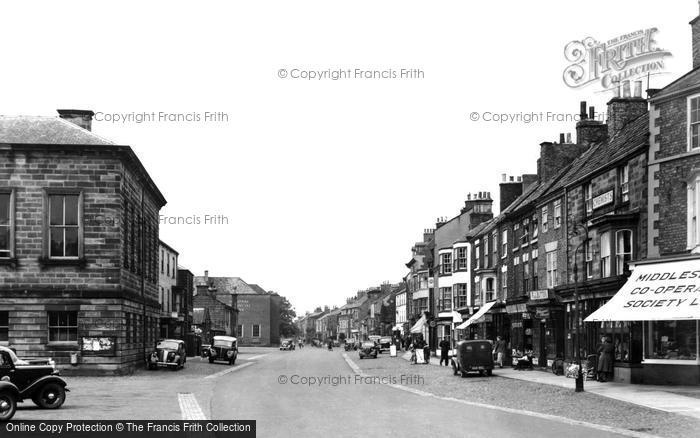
column 543, row 345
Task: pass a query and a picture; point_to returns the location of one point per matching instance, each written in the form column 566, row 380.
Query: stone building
column 167, row 281
column 78, row 245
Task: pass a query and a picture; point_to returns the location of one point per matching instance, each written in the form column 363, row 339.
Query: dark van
column 473, row 356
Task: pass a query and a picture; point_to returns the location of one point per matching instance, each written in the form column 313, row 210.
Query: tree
column 287, row 327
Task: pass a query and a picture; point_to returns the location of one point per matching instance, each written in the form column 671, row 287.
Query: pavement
column 664, row 398
column 312, row 392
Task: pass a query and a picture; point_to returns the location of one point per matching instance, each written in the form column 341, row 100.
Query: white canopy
column 656, row 292
column 456, row 316
column 418, row 326
column 485, row 308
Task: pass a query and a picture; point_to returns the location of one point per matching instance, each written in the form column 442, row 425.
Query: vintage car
column 224, row 348
column 168, row 353
column 287, row 344
column 350, row 344
column 384, row 344
column 35, row 379
column 9, row 394
column 369, row 349
column 476, row 355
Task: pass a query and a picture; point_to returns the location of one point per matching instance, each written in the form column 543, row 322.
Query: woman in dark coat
column 606, row 350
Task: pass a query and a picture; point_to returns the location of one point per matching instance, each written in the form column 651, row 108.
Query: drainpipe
column 143, row 280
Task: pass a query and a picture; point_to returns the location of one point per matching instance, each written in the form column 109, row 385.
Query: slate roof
column 227, row 285
column 258, row 289
column 687, row 82
column 46, row 130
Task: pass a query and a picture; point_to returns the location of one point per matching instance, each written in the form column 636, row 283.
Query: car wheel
column 51, row 396
column 8, row 406
column 464, row 373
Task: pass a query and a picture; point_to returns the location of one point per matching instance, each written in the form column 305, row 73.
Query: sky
column 325, row 184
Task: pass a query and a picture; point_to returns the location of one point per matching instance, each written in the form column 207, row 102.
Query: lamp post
column 577, row 331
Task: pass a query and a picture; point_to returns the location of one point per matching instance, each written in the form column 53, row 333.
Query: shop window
column 605, row 254
column 4, row 326
column 672, row 340
column 623, row 250
column 6, row 225
column 63, row 326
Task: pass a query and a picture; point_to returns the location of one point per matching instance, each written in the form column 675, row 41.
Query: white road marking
column 189, row 407
column 625, row 432
column 255, row 357
column 228, row 370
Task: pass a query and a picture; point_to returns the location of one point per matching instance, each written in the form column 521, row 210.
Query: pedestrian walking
column 444, row 351
column 605, row 359
column 499, row 349
column 426, row 353
column 414, row 357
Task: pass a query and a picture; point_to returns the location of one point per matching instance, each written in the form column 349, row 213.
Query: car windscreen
column 168, row 345
column 222, row 343
column 368, row 345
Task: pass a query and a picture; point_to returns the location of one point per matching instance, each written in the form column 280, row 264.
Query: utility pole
column 577, row 316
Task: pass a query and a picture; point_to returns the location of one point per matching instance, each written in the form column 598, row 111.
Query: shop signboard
column 103, row 346
column 603, row 199
column 542, row 313
column 541, row 294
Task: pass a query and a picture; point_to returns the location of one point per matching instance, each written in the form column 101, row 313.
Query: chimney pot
column 583, row 110
column 503, row 177
column 616, row 90
column 637, row 88
column 568, row 137
column 561, row 137
column 626, row 89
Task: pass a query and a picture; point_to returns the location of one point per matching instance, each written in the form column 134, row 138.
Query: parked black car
column 224, row 348
column 168, row 353
column 35, row 379
column 9, row 394
column 369, row 349
column 476, row 355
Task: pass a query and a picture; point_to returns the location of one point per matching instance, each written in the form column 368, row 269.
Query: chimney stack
column 206, row 278
column 622, row 110
column 588, row 129
column 695, row 29
column 81, row 118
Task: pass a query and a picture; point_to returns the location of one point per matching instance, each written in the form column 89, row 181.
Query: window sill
column 64, row 345
column 11, row 262
column 47, row 261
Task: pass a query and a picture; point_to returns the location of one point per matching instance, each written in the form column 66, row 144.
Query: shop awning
column 418, row 326
column 485, row 308
column 456, row 316
column 655, row 292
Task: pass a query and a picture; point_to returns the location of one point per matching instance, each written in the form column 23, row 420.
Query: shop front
column 546, row 323
column 521, row 338
column 653, row 323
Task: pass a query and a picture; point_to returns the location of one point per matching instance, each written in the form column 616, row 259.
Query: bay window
column 445, row 299
column 461, row 256
column 605, row 270
column 460, row 295
column 623, row 250
column 446, row 263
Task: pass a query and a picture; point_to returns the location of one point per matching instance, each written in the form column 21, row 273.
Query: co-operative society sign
column 660, row 291
column 609, row 63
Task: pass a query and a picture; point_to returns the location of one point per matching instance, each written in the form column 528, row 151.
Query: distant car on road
column 35, row 379
column 384, row 344
column 369, row 349
column 168, row 353
column 287, row 344
column 224, row 348
column 9, row 394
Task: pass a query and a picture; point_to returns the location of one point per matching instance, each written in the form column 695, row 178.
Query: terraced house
column 78, row 245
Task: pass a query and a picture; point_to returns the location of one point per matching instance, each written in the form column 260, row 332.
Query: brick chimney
column 622, row 110
column 428, row 234
column 82, row 118
column 481, row 199
column 588, row 129
column 695, row 32
column 554, row 157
